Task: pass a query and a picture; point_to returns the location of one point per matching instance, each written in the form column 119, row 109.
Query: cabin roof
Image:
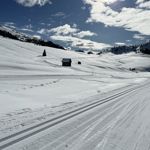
column 66, row 60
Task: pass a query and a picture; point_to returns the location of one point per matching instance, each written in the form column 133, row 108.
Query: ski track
column 106, row 127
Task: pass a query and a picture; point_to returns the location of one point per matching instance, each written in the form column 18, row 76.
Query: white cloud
column 68, row 30
column 42, row 31
column 132, row 19
column 10, row 25
column 31, row 3
column 120, row 44
column 73, row 37
column 29, row 26
column 128, row 40
column 145, row 5
column 85, row 34
column 58, row 14
column 139, row 37
column 74, row 25
column 26, row 29
column 139, row 1
column 80, row 43
column 63, row 30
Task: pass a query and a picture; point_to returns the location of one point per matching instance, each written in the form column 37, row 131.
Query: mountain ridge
column 13, row 34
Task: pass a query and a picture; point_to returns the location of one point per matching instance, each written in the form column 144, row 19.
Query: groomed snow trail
column 117, row 125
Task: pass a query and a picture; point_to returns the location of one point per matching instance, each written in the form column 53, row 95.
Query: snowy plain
column 34, row 89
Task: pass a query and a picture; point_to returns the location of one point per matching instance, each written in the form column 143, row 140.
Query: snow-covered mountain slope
column 29, row 80
column 34, row 89
column 20, row 36
column 11, row 33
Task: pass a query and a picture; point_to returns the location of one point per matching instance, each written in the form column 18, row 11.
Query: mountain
column 123, row 49
column 13, row 34
column 145, row 48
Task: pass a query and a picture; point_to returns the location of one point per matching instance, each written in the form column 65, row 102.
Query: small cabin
column 66, row 62
column 90, row 52
column 99, row 53
column 79, row 62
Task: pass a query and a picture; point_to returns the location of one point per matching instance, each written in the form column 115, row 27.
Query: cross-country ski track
column 93, row 109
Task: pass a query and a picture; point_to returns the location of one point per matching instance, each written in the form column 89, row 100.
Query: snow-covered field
column 34, row 89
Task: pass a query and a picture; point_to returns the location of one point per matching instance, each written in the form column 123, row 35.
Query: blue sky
column 80, row 24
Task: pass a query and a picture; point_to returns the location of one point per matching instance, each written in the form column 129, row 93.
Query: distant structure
column 66, row 62
column 44, row 53
column 80, row 51
column 90, row 52
column 99, row 53
column 79, row 62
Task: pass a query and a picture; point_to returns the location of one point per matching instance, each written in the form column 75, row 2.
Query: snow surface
column 35, row 88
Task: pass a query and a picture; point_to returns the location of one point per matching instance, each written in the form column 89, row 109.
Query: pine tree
column 44, row 53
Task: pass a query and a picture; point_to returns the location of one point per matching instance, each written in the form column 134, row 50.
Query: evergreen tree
column 44, row 53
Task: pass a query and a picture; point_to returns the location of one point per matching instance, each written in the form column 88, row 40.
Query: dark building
column 66, row 62
column 79, row 62
column 90, row 52
column 99, row 53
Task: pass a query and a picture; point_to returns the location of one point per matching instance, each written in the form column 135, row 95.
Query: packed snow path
column 117, row 122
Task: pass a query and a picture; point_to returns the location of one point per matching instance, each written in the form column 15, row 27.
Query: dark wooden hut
column 66, row 62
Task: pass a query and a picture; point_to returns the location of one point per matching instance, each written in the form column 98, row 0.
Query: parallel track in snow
column 26, row 133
